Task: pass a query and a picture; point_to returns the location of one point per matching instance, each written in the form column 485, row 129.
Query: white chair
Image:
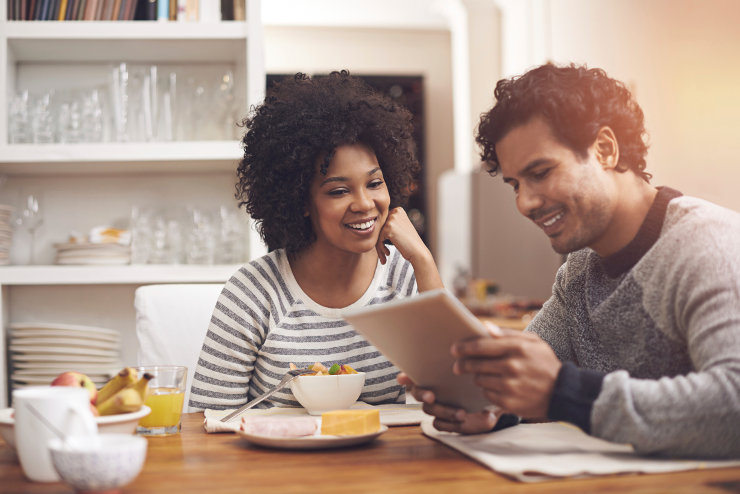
column 171, row 322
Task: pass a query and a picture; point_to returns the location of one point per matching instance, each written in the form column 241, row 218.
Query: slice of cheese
column 350, row 422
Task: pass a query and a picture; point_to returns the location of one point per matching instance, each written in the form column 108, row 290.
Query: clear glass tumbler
column 166, row 397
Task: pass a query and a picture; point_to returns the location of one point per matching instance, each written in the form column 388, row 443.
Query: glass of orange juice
column 165, row 397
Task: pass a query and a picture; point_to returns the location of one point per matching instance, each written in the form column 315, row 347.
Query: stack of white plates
column 39, row 352
column 6, row 233
column 89, row 253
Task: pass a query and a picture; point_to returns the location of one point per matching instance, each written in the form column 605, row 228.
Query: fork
column 289, row 376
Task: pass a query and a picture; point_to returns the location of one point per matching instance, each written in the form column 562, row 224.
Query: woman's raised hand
column 399, row 230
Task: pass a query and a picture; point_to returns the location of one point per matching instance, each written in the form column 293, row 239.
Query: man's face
column 571, row 199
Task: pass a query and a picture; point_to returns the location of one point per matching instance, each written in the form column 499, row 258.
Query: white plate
column 27, row 375
column 89, row 260
column 110, row 367
column 37, row 381
column 117, row 248
column 65, row 327
column 20, row 335
column 317, row 441
column 59, row 350
column 37, row 357
column 66, row 343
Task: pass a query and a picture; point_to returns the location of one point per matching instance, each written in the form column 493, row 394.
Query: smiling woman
column 327, row 165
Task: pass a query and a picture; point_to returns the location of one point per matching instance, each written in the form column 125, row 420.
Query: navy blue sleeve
column 574, row 395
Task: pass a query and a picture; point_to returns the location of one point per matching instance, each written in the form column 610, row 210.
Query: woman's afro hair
column 295, row 132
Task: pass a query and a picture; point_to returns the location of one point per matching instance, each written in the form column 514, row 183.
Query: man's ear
column 606, row 148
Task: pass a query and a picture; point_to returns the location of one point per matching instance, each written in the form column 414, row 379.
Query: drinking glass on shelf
column 19, row 127
column 92, row 117
column 200, row 242
column 42, row 119
column 29, row 218
column 119, row 97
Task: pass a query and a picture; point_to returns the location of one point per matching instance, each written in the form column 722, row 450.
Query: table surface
column 401, row 460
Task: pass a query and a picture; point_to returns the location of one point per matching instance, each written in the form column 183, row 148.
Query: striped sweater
column 263, row 321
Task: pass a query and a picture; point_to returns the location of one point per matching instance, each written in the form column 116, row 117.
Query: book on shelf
column 227, row 10
column 146, row 10
column 239, row 10
column 53, row 13
column 68, row 10
column 80, row 14
column 90, row 7
column 42, row 10
column 62, row 10
column 99, row 6
column 163, row 10
column 113, row 14
column 191, row 11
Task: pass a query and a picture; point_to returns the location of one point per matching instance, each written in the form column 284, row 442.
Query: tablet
column 416, row 334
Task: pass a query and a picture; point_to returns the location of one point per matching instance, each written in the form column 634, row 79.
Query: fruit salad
column 320, row 369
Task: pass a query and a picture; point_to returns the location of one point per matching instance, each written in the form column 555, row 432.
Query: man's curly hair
column 297, row 129
column 576, row 102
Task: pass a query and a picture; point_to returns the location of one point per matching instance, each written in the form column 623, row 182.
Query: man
column 640, row 341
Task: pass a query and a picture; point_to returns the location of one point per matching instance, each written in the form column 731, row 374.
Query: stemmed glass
column 29, row 217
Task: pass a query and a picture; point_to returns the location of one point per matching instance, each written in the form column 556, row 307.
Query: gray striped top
column 263, row 321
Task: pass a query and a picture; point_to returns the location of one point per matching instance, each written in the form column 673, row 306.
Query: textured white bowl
column 319, row 394
column 123, row 423
column 98, row 463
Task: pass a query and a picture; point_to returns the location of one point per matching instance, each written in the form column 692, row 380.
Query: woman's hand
column 402, row 234
column 399, row 230
column 446, row 418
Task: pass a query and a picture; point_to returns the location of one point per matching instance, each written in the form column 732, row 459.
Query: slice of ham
column 279, row 426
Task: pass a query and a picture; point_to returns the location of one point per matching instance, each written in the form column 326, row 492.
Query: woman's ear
column 606, row 148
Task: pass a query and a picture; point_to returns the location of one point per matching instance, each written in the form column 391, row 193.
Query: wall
column 379, row 51
column 680, row 58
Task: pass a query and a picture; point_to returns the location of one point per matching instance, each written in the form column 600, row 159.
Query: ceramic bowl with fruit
column 98, row 463
column 117, row 406
column 122, row 423
column 327, row 391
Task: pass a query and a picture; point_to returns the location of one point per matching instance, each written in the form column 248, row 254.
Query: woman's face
column 349, row 205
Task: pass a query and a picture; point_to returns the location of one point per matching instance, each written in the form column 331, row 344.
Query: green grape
column 334, row 369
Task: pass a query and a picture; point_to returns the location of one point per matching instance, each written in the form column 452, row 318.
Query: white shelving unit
column 86, row 183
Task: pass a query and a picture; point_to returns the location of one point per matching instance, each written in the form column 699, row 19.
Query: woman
column 327, row 165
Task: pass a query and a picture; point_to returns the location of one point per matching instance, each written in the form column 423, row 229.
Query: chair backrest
column 171, row 323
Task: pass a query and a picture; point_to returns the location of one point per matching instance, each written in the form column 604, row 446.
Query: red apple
column 72, row 378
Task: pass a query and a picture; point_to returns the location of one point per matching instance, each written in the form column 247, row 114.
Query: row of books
column 126, row 10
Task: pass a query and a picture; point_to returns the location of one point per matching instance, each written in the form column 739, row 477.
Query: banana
column 128, row 399
column 125, row 377
column 125, row 401
column 142, row 385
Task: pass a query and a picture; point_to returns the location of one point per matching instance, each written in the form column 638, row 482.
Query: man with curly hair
column 640, row 341
column 328, row 164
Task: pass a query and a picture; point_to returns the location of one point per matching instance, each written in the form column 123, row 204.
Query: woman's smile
column 363, row 226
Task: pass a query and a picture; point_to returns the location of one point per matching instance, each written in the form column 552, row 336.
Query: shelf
column 115, row 275
column 98, row 41
column 107, row 157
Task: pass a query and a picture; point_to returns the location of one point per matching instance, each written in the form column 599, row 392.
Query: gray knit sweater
column 651, row 335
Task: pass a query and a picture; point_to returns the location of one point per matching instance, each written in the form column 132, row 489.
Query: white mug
column 66, row 410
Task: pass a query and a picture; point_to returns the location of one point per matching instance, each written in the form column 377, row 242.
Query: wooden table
column 401, row 460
